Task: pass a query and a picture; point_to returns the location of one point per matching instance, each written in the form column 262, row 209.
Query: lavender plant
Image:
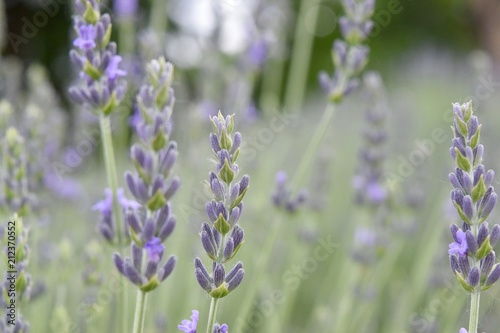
column 16, row 201
column 282, row 196
column 101, row 87
column 222, row 238
column 151, row 221
column 472, row 258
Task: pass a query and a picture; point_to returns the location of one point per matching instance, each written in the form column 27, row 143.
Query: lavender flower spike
column 349, row 55
column 189, row 326
column 101, row 87
column 149, row 216
column 222, row 237
column 471, row 254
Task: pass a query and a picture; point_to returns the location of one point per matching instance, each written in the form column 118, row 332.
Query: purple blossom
column 86, row 37
column 224, row 328
column 365, row 237
column 463, row 330
column 459, row 247
column 105, row 206
column 112, row 70
column 124, row 202
column 154, row 248
column 125, row 8
column 189, row 326
column 375, row 192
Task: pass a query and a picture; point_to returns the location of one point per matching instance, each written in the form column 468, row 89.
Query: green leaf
column 219, row 292
column 110, row 105
column 226, row 173
column 238, row 199
column 225, row 140
column 230, row 125
column 151, row 284
column 91, row 71
column 157, row 201
column 464, row 284
column 461, row 213
column 468, row 112
column 159, row 141
column 474, row 140
column 222, row 225
column 461, row 126
column 235, row 155
column 485, row 249
column 107, row 37
column 90, row 16
column 479, row 190
column 462, row 161
column 236, row 249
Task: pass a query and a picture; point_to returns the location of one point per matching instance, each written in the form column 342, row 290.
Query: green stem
column 111, row 173
column 158, row 16
column 140, row 309
column 109, row 160
column 313, row 147
column 211, row 315
column 126, row 35
column 474, row 312
column 301, row 55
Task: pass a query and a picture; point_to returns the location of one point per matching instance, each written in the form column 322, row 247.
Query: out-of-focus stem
column 158, row 16
column 211, row 315
column 301, row 55
column 140, row 309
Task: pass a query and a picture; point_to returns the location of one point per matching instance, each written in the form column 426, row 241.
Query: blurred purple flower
column 112, row 70
column 154, row 248
column 459, row 247
column 124, row 202
column 463, row 330
column 365, row 237
column 62, row 187
column 189, row 326
column 224, row 328
column 125, row 8
column 105, row 206
column 257, row 53
column 375, row 192
column 86, row 37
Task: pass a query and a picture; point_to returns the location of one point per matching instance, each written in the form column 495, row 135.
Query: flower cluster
column 223, row 237
column 96, row 59
column 282, row 195
column 189, row 326
column 150, row 220
column 472, row 257
column 16, row 197
column 349, row 55
column 368, row 182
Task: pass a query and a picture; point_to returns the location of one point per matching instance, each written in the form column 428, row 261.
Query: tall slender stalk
column 474, row 312
column 301, row 55
column 158, row 16
column 211, row 315
column 140, row 309
column 111, row 173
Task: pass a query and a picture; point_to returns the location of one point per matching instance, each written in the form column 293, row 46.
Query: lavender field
column 249, row 166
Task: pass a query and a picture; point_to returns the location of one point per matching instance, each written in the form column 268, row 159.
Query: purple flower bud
column 237, row 235
column 148, row 230
column 454, row 181
column 494, row 276
column 167, row 228
column 167, row 269
column 172, row 188
column 453, row 230
column 459, row 247
column 454, row 264
column 229, row 249
column 214, row 141
column 218, row 189
column 478, row 173
column 471, row 242
column 210, row 210
column 495, row 235
column 488, row 179
column 219, row 275
column 132, row 274
column 236, row 143
column 235, row 281
column 467, row 207
column 151, row 268
column 463, row 262
column 119, row 263
column 488, row 206
column 473, row 278
column 473, row 125
column 154, row 249
column 125, row 8
column 487, row 264
column 482, row 233
column 208, row 244
column 234, row 216
column 137, row 257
